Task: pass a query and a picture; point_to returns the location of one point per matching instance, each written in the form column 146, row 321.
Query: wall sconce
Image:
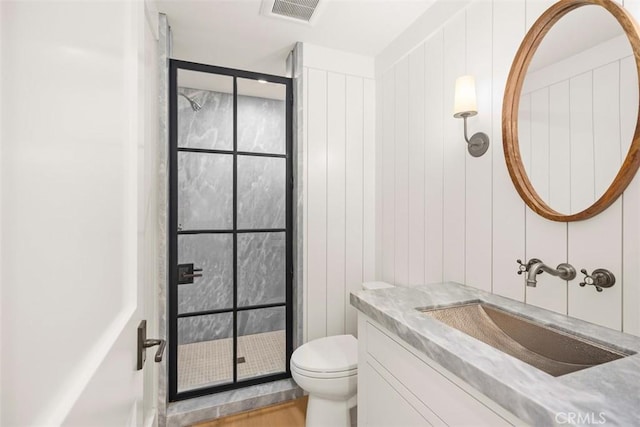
column 464, row 107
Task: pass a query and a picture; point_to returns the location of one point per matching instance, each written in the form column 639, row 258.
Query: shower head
column 194, row 105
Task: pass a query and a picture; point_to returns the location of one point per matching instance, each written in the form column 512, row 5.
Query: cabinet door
column 385, row 406
column 440, row 394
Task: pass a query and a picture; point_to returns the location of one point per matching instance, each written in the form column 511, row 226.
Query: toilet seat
column 323, row 375
column 329, row 357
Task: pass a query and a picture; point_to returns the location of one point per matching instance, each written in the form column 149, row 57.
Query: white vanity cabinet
column 399, row 386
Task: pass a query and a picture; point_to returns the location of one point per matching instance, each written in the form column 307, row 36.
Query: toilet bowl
column 327, row 369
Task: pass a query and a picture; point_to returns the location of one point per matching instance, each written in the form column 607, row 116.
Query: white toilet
column 327, row 368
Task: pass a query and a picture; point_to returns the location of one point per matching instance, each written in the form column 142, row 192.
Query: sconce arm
column 478, row 144
column 466, row 138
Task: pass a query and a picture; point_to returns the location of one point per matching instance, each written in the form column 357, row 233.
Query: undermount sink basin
column 554, row 352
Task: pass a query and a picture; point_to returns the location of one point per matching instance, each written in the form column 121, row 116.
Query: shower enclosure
column 230, row 225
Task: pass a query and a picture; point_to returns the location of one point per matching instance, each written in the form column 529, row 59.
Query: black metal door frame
column 174, row 66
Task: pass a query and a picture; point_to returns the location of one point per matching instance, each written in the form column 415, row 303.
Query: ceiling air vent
column 305, row 11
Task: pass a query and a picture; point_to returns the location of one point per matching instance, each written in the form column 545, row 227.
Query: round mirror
column 570, row 114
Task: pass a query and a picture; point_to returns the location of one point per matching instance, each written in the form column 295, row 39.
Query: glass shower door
column 230, row 230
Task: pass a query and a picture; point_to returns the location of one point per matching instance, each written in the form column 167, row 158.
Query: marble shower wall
column 261, row 268
column 205, row 191
column 261, row 124
column 261, row 192
column 205, row 201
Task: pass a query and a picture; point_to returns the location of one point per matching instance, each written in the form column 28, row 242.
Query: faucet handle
column 600, row 278
column 523, row 268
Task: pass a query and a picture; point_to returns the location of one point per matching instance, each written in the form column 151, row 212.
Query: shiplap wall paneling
column 539, row 167
column 316, row 301
column 416, row 254
column 631, row 267
column 455, row 152
column 582, row 147
column 631, row 202
column 381, row 107
column 544, row 118
column 354, row 196
column 597, row 243
column 369, row 177
column 508, row 208
column 336, row 150
column 402, row 173
column 559, row 147
column 339, row 92
column 388, row 177
column 434, row 120
column 479, row 170
column 606, row 125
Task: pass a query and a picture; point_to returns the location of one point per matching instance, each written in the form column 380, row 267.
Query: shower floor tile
column 209, row 363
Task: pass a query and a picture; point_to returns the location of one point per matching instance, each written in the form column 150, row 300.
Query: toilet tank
column 367, row 286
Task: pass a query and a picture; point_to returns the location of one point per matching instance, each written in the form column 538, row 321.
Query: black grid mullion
column 230, row 152
column 242, row 231
column 252, row 154
column 235, row 228
column 229, row 310
column 172, row 292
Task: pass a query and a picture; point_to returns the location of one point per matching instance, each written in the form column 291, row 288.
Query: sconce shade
column 465, row 98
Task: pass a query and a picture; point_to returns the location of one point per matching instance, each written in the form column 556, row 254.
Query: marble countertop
column 609, row 392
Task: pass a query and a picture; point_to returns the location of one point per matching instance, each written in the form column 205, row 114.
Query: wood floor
column 288, row 414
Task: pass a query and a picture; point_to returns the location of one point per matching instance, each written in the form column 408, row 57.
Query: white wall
column 444, row 215
column 338, row 186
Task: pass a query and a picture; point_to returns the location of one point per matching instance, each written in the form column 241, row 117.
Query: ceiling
column 232, row 33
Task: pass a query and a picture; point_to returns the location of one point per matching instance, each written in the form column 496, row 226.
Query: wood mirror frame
column 511, row 105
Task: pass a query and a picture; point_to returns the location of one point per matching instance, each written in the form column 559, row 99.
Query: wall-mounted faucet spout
column 564, row 271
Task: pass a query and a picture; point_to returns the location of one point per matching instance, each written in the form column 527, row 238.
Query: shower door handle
column 186, row 273
column 191, row 275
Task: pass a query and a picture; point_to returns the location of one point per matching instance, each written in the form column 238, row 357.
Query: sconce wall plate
column 478, row 144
